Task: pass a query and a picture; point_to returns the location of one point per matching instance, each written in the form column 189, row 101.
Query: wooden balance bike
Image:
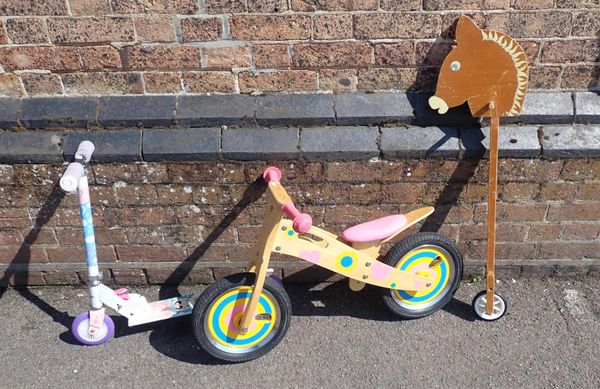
column 243, row 316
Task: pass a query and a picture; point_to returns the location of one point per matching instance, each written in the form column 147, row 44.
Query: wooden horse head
column 484, row 67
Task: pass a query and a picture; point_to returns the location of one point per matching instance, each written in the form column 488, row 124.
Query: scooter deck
column 162, row 310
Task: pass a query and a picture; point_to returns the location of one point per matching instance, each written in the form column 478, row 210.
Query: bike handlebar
column 70, row 178
column 302, row 222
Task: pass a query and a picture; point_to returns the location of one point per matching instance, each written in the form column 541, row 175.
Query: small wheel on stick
column 479, row 306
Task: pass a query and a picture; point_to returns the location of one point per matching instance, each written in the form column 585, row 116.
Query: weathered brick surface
column 162, row 82
column 26, row 30
column 201, row 29
column 271, row 56
column 332, row 55
column 226, row 58
column 89, row 7
column 280, row 81
column 161, row 57
column 272, row 27
column 154, row 7
column 91, row 30
column 25, row 8
column 205, row 82
column 333, row 26
column 42, row 84
column 102, row 83
column 99, row 58
column 154, row 29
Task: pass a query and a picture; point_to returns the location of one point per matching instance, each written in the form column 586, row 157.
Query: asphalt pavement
column 549, row 338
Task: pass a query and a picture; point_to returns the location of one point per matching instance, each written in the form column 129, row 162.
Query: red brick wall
column 80, row 47
column 150, row 217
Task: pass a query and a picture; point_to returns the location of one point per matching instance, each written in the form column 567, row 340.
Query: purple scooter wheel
column 80, row 326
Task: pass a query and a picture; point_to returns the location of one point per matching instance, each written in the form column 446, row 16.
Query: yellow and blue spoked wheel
column 429, row 255
column 218, row 313
column 225, row 314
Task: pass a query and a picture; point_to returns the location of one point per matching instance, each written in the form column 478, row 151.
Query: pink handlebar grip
column 302, row 221
column 272, row 174
column 85, row 150
column 70, row 179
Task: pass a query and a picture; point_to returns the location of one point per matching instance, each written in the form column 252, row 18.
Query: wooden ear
column 467, row 31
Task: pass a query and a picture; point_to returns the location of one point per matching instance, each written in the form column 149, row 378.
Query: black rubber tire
column 479, row 315
column 210, row 294
column 400, row 249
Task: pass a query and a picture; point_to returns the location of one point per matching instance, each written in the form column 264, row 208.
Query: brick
column 43, row 57
column 23, row 31
column 10, row 85
column 226, row 57
column 61, row 277
column 225, row 6
column 261, row 144
column 181, row 145
column 373, row 79
column 141, row 216
column 438, row 5
column 544, row 232
column 91, row 30
column 577, row 4
column 581, row 77
column 161, row 57
column 338, row 80
column 574, row 212
column 578, row 169
column 162, row 82
column 3, row 36
column 100, row 57
column 207, row 82
column 403, row 193
column 22, row 254
column 111, row 146
column 581, row 232
column 344, row 54
column 129, row 276
column 154, row 29
column 356, row 109
column 279, row 81
column 46, row 112
column 177, row 277
column 10, row 237
column 89, row 7
column 164, row 235
column 570, row 51
column 571, row 141
column 267, row 6
column 339, row 143
column 541, row 24
column 182, row 7
column 589, row 191
column 77, row 254
column 30, row 147
column 519, row 191
column 558, row 191
column 271, row 56
column 504, row 232
column 396, row 25
column 523, row 170
column 222, row 272
column 271, row 27
column 42, row 84
column 431, row 53
column 308, row 109
column 512, row 213
column 537, row 5
column 332, row 27
column 333, row 5
column 587, row 107
column 586, row 24
column 24, row 278
column 206, row 111
column 149, row 111
column 130, row 173
column 171, row 194
column 201, row 29
column 544, row 77
column 103, row 83
column 569, row 250
column 104, row 236
column 395, row 54
column 26, row 8
column 393, row 5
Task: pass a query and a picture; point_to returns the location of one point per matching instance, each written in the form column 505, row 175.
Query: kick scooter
column 95, row 326
column 243, row 316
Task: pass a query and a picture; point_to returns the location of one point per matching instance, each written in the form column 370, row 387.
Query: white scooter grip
column 85, row 150
column 70, row 179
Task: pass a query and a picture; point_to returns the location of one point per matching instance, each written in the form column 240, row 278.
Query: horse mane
column 519, row 58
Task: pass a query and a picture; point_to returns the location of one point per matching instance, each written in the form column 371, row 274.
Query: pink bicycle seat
column 378, row 229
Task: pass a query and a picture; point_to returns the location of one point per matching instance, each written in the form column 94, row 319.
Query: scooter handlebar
column 70, row 178
column 272, row 174
column 302, row 222
column 85, row 150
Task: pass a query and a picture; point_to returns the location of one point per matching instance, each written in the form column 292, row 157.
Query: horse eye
column 455, row 66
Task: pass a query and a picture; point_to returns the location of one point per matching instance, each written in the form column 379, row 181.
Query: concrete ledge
column 111, row 146
column 270, row 144
column 209, row 111
column 513, row 142
column 418, row 142
column 279, row 110
column 339, row 143
column 30, row 147
column 587, row 105
column 194, row 144
column 571, row 141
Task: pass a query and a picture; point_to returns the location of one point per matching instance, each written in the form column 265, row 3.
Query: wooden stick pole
column 491, row 219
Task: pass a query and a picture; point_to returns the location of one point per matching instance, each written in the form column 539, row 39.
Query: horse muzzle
column 438, row 104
